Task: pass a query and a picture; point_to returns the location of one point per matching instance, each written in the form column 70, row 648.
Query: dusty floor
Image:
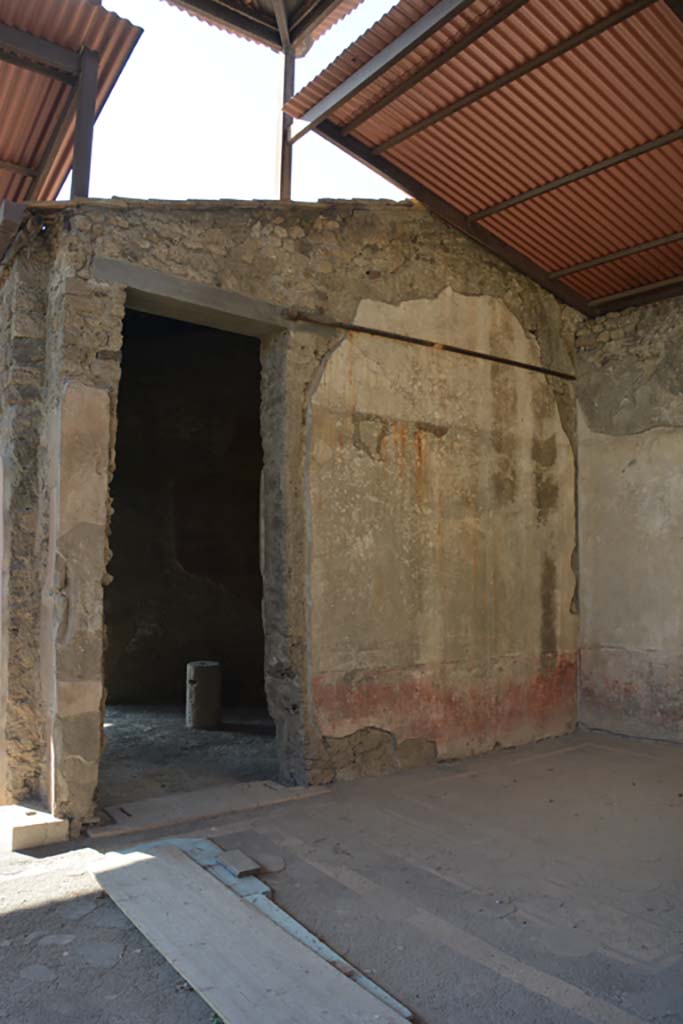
column 150, row 752
column 538, row 885
column 542, row 886
column 69, row 956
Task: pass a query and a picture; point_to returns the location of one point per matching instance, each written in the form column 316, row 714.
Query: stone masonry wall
column 23, row 711
column 84, row 332
column 374, row 265
column 630, row 398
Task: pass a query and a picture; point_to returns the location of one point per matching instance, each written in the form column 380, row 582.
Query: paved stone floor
column 542, row 885
column 150, row 752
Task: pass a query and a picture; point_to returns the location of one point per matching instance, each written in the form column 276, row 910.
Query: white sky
column 196, row 114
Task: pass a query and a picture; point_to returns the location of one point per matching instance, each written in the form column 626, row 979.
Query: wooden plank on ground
column 211, row 802
column 244, row 965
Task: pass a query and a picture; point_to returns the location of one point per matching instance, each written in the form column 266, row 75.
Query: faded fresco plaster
column 80, row 560
column 630, row 393
column 442, row 533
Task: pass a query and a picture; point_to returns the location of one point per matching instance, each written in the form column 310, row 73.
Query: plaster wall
column 630, row 397
column 418, row 506
column 443, row 530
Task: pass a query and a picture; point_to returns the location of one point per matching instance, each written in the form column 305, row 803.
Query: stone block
column 23, row 827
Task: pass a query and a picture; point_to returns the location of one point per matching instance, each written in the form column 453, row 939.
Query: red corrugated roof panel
column 613, row 90
column 32, row 104
column 602, row 213
column 650, row 267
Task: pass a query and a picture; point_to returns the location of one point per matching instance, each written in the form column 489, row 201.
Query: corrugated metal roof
column 33, row 104
column 236, row 16
column 643, row 268
column 611, row 92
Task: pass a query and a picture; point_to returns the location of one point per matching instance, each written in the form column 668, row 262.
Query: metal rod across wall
column 299, row 316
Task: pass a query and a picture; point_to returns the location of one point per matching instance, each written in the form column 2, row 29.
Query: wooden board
column 211, row 802
column 245, row 966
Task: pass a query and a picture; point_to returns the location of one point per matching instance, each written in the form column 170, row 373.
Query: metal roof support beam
column 286, row 143
column 431, row 66
column 53, row 146
column 677, row 7
column 641, row 296
column 619, row 254
column 287, row 93
column 11, row 216
column 39, row 69
column 307, row 18
column 86, row 100
column 511, row 76
column 252, row 25
column 584, row 172
column 282, row 26
column 451, row 215
column 25, row 172
column 423, row 28
column 26, row 50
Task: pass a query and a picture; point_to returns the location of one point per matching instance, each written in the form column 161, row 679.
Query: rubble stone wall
column 418, row 506
column 23, row 709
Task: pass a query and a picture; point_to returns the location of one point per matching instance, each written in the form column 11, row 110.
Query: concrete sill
column 23, row 827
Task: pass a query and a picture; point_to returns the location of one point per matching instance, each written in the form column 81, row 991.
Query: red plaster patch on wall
column 429, row 702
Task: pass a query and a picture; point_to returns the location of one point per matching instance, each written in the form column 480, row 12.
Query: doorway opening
column 185, row 562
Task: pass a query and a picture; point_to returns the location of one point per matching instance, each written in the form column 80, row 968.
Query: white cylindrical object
column 203, row 695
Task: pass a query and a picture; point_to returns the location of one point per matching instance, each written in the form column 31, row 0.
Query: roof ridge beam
column 38, row 54
column 619, row 254
column 422, row 29
column 434, row 64
column 634, row 7
column 583, row 172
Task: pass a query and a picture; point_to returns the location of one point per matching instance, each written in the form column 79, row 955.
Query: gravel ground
column 150, row 752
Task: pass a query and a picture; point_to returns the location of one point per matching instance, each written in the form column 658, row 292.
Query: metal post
column 286, row 145
column 86, row 98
